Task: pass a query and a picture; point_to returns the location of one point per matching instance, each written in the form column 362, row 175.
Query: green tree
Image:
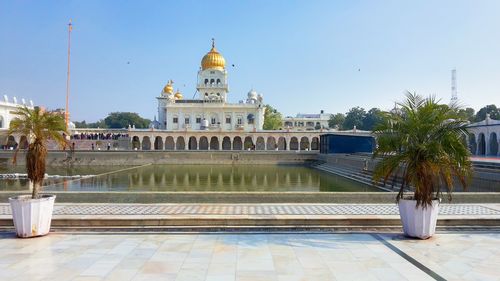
column 336, row 121
column 272, row 119
column 467, row 114
column 372, row 118
column 424, row 143
column 39, row 126
column 491, row 109
column 118, row 120
column 354, row 117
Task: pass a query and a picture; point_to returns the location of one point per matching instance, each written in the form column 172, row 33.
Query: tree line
column 117, row 120
column 366, row 120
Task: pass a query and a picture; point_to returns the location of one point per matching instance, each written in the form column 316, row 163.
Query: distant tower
column 454, row 95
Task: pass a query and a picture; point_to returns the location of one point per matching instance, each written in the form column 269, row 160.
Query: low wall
column 124, row 158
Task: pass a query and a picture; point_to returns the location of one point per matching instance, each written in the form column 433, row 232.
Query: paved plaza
column 86, row 209
column 222, row 257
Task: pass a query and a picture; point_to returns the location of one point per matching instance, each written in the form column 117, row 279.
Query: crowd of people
column 100, row 136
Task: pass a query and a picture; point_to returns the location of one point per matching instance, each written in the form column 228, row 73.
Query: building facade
column 211, row 109
column 307, row 122
column 484, row 137
column 7, row 109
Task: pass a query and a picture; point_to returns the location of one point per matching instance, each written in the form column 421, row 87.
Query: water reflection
column 228, row 178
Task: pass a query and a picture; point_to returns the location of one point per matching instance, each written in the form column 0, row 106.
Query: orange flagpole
column 66, row 114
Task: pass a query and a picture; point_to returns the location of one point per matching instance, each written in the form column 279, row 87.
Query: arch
column 212, row 81
column 282, row 143
column 214, row 143
column 1, row 122
column 248, row 144
column 481, row 146
column 294, row 143
column 146, row 143
column 315, row 143
column 218, row 82
column 304, row 143
column 206, row 81
column 260, row 144
column 170, row 144
column 226, row 143
column 136, row 143
column 180, row 144
column 493, row 144
column 271, row 143
column 203, row 143
column 192, row 144
column 158, row 143
column 237, row 143
column 11, row 142
column 472, row 144
column 23, row 142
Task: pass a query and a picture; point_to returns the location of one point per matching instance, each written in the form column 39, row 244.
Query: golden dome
column 213, row 59
column 169, row 89
column 178, row 95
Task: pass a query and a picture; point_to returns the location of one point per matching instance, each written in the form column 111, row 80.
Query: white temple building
column 211, row 109
column 7, row 108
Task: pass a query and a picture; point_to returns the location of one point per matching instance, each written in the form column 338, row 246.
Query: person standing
column 92, row 146
column 109, row 146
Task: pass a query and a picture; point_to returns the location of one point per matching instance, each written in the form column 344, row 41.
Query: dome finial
column 213, row 43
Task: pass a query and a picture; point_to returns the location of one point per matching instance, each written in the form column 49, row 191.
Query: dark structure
column 333, row 143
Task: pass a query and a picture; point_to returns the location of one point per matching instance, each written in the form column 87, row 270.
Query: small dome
column 213, row 59
column 178, row 95
column 169, row 89
column 252, row 94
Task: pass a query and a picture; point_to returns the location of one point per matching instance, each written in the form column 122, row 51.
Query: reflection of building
column 211, row 109
column 484, row 137
column 303, row 122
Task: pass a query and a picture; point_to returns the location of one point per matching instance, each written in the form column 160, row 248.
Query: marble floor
column 233, row 256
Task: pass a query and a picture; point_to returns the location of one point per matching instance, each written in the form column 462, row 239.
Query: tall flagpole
column 66, row 114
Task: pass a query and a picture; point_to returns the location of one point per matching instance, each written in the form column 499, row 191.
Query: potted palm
column 32, row 214
column 422, row 145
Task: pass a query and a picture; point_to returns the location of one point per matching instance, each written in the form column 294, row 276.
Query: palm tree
column 38, row 126
column 423, row 142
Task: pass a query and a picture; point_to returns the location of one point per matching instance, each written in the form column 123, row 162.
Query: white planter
column 417, row 221
column 32, row 217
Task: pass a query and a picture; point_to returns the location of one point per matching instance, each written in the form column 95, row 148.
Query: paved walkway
column 66, row 209
column 255, row 257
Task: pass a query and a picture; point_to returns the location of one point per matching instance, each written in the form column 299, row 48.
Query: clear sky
column 303, row 56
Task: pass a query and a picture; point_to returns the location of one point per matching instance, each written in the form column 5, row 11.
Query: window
column 186, row 120
column 240, row 121
column 213, row 121
column 198, row 120
column 212, row 72
column 250, row 121
column 176, row 120
column 218, row 81
column 206, row 81
column 228, row 119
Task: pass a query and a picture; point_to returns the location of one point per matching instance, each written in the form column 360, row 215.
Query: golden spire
column 169, row 89
column 213, row 59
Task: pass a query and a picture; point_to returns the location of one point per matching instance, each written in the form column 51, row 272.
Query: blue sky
column 303, row 56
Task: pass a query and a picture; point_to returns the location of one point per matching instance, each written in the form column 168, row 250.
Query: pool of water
column 181, row 178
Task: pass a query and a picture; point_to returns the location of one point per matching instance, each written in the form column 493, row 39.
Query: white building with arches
column 7, row 108
column 484, row 137
column 210, row 110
